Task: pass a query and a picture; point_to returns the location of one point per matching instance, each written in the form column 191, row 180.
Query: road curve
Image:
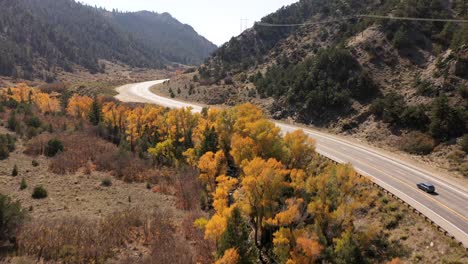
column 448, row 208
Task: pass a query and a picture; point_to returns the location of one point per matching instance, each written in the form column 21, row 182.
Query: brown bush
column 78, row 240
column 80, row 148
column 52, row 87
column 417, row 143
column 166, row 247
column 188, row 189
column 37, row 145
column 203, row 249
column 125, row 166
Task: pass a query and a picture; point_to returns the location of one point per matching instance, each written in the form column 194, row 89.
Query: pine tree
column 12, row 122
column 23, row 184
column 210, row 143
column 14, row 172
column 95, row 115
column 237, row 236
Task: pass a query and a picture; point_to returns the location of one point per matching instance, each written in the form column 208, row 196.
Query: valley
column 327, row 132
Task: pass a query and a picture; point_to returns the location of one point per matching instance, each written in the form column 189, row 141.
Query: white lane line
column 403, row 195
column 398, row 163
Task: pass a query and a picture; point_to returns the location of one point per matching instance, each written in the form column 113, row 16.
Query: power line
column 366, row 16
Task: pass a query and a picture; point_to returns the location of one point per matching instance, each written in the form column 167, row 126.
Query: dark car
column 427, row 187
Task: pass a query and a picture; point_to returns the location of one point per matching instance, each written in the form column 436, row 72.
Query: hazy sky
column 217, row 20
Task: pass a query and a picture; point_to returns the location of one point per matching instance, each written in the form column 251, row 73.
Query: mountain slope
column 37, row 36
column 164, row 34
column 393, row 83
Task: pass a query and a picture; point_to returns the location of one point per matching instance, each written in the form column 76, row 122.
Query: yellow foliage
column 298, row 179
column 243, row 149
column 262, row 187
column 200, row 223
column 215, row 227
column 267, row 137
column 246, row 114
column 212, row 165
column 230, row 257
column 282, row 244
column 191, row 157
column 290, row 215
column 310, row 249
column 225, row 185
column 79, row 106
column 46, row 104
column 300, row 149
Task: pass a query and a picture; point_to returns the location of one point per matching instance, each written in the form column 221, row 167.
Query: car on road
column 427, row 187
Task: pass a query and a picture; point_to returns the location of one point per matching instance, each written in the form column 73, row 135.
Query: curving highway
column 448, row 208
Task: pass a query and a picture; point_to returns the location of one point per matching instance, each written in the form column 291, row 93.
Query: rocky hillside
column 391, row 82
column 39, row 37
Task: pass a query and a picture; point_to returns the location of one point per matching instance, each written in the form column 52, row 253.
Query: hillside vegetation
column 379, row 79
column 39, row 37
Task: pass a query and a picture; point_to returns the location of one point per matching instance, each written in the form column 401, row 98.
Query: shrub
column 39, row 192
column 402, row 39
column 34, row 122
column 53, row 147
column 12, row 122
column 389, row 108
column 23, row 184
column 106, row 182
column 63, row 243
column 171, row 93
column 35, row 163
column 417, row 143
column 464, row 143
column 14, row 172
column 446, row 121
column 7, row 145
column 11, row 217
column 463, row 168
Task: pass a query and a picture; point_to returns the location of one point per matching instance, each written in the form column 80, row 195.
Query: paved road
column 448, row 208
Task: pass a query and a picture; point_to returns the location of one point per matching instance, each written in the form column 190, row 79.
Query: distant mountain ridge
column 37, row 36
column 172, row 34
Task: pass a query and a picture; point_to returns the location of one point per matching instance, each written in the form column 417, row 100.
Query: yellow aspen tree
column 282, row 244
column 134, row 125
column 268, row 138
column 262, row 187
column 243, row 149
column 79, row 106
column 212, row 165
column 216, row 226
column 307, row 250
column 246, row 114
column 230, row 257
column 299, row 149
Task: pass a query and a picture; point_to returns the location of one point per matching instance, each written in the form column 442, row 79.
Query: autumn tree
column 79, row 106
column 243, row 149
column 212, row 165
column 217, row 225
column 163, row 153
column 45, row 103
column 336, row 194
column 231, row 256
column 262, row 187
column 299, row 149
